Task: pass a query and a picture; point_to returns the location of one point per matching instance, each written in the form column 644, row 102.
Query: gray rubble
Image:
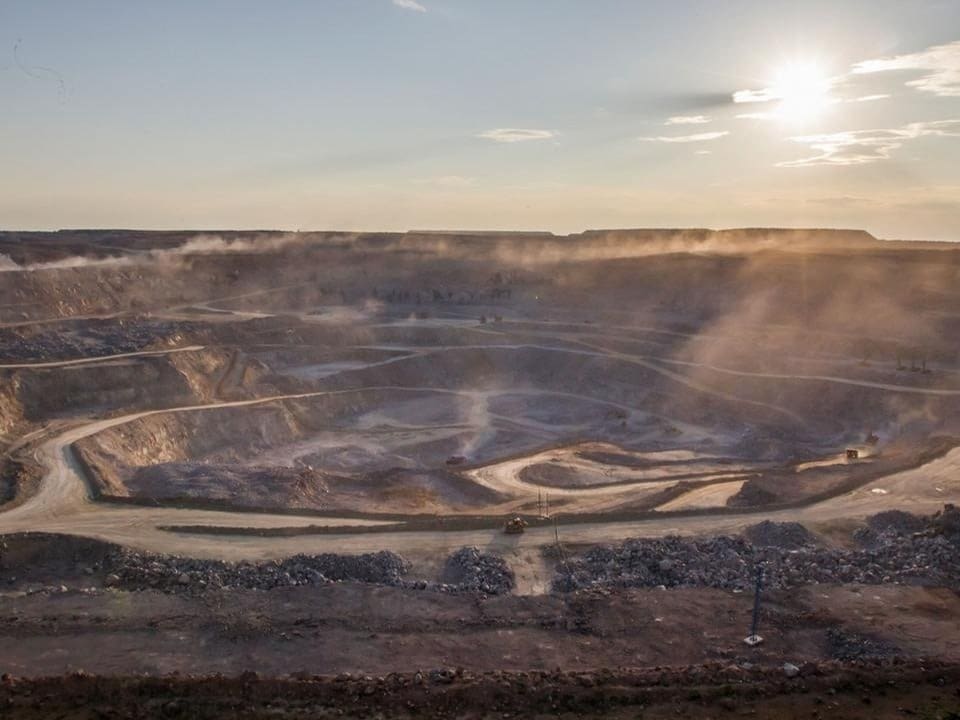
column 95, row 338
column 930, row 557
column 469, row 570
column 131, row 570
column 890, row 522
column 785, row 535
column 845, row 645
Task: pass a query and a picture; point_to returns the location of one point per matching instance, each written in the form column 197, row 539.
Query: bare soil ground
column 349, row 393
column 865, row 692
column 375, row 630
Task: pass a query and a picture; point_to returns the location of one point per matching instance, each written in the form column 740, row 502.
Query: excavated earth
column 293, row 454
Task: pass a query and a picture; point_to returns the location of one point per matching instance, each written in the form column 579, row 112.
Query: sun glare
column 803, row 91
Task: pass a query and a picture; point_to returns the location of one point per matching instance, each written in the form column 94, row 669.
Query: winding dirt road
column 62, row 503
column 98, row 359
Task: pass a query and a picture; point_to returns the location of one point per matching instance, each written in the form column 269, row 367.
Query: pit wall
column 11, row 409
column 140, row 383
column 229, row 434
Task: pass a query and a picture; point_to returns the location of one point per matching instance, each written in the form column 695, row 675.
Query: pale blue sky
column 395, row 114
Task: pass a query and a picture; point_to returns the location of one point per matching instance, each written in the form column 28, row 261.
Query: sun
column 803, row 91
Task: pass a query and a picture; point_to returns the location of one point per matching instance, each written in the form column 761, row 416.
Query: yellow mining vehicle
column 515, row 526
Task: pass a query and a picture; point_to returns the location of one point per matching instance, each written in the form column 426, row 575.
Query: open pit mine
column 417, row 472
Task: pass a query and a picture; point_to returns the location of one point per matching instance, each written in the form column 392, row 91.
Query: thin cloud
column 410, row 5
column 799, row 88
column 38, row 72
column 514, row 135
column 696, row 137
column 869, row 98
column 756, row 96
column 687, row 120
column 860, row 147
column 940, row 65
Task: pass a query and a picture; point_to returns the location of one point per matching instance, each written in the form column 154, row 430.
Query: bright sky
column 494, row 114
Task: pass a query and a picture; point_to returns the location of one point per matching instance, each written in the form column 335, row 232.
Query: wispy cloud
column 687, row 120
column 799, row 90
column 410, row 5
column 38, row 72
column 869, row 98
column 859, row 147
column 514, row 135
column 939, row 64
column 756, row 96
column 938, row 67
column 696, row 137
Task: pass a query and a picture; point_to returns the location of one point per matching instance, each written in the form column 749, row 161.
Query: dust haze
column 243, row 421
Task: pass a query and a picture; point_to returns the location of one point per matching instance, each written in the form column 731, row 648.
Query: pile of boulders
column 469, row 570
column 930, row 557
column 141, row 571
column 947, row 522
column 94, row 340
column 891, row 523
column 671, row 562
column 845, row 645
column 784, row 535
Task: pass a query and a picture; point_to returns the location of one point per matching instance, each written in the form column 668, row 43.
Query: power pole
column 560, row 551
column 753, row 639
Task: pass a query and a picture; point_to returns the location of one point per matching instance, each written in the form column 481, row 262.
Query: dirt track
column 62, row 503
column 560, row 314
column 98, row 359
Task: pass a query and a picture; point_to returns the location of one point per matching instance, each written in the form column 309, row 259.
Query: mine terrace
column 514, row 451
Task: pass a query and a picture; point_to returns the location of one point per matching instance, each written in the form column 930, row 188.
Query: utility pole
column 753, row 639
column 560, row 551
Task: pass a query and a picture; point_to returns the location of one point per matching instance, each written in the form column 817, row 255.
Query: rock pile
column 785, row 535
column 851, row 646
column 947, row 522
column 97, row 339
column 470, row 570
column 729, row 562
column 140, row 571
column 467, row 570
column 888, row 524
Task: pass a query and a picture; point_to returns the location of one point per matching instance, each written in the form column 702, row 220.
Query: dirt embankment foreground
column 852, row 691
column 77, row 605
